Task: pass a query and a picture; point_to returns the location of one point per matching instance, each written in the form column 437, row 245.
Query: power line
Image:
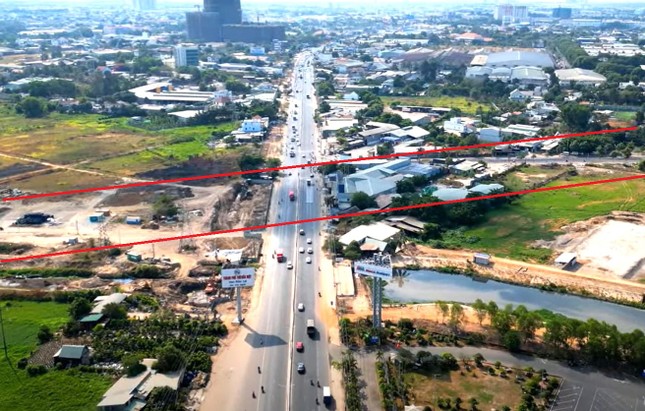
column 4, row 346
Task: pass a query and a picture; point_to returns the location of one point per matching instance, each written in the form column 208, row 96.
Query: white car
column 301, row 307
column 310, row 250
column 303, row 156
column 308, row 260
column 308, row 240
column 289, row 265
column 301, row 250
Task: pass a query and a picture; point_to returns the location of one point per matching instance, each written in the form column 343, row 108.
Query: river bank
column 582, row 283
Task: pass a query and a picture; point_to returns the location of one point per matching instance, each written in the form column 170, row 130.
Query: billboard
column 373, row 270
column 238, row 277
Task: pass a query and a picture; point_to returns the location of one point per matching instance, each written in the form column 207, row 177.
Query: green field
column 55, row 391
column 509, row 231
column 625, row 115
column 464, row 104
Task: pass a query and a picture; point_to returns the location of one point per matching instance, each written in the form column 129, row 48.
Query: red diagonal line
column 322, row 163
column 325, row 218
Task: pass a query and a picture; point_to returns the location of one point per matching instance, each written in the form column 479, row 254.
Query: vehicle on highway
column 308, row 260
column 308, row 182
column 303, row 156
column 301, row 250
column 310, row 250
column 289, row 265
column 308, row 96
column 292, row 196
column 279, row 255
column 308, row 240
column 301, row 368
column 302, row 232
column 301, row 307
column 300, row 347
column 326, row 395
column 311, row 327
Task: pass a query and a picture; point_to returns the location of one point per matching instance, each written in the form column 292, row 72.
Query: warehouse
column 512, row 59
column 579, row 76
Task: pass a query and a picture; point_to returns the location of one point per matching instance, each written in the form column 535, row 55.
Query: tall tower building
column 144, row 4
column 230, row 11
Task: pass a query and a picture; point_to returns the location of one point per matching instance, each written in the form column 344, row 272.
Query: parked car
column 301, row 250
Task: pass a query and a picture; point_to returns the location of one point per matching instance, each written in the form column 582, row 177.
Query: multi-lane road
column 263, row 354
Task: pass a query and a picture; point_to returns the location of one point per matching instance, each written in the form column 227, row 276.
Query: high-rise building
column 144, row 4
column 221, row 20
column 186, row 55
column 509, row 13
column 230, row 11
column 562, row 13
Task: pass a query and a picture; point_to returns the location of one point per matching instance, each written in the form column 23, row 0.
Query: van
column 326, row 395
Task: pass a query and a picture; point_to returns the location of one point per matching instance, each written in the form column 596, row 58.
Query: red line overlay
column 322, row 163
column 325, row 218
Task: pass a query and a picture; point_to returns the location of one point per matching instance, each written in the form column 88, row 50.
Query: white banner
column 238, row 277
column 373, row 270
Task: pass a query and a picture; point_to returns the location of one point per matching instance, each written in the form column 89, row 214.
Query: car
column 301, row 368
column 310, row 250
column 301, row 307
column 311, row 176
column 289, row 265
column 302, row 232
column 308, row 260
column 301, row 250
column 308, row 240
column 303, row 156
column 300, row 347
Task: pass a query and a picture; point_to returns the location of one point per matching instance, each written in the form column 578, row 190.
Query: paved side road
column 583, row 389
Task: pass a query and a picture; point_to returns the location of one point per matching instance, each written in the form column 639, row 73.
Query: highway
column 269, row 333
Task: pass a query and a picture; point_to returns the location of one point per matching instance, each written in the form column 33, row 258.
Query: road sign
column 373, row 270
column 238, row 277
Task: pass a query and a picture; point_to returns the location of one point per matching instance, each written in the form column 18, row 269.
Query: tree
column 352, row 251
column 32, row 107
column 405, row 186
column 250, row 162
column 199, row 361
column 324, row 107
column 480, row 310
column 236, row 87
column 444, row 309
column 473, row 404
column 512, row 340
column 132, row 364
column 456, row 315
column 169, row 359
column 44, row 334
column 431, row 231
column 362, row 200
column 527, row 324
column 115, row 311
column 641, row 165
column 165, row 206
column 162, row 398
column 79, row 308
column 576, row 117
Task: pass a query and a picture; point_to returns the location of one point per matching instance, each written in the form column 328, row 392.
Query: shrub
column 35, row 370
column 22, row 363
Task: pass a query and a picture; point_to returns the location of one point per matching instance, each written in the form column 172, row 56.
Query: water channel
column 428, row 286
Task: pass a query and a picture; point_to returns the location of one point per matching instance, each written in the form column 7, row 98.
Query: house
column 520, row 95
column 353, row 96
column 130, row 393
column 410, row 132
column 102, row 300
column 90, row 321
column 490, row 134
column 458, row 125
column 521, row 130
column 376, row 231
column 72, row 355
column 254, row 125
column 373, row 136
column 466, row 167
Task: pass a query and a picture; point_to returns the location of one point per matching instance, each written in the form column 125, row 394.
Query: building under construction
column 221, row 20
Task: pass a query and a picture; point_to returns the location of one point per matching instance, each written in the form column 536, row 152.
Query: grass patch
column 62, row 180
column 464, row 104
column 56, row 390
column 491, row 392
column 509, row 231
column 625, row 115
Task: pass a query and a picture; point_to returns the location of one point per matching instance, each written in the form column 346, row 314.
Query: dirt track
column 519, row 272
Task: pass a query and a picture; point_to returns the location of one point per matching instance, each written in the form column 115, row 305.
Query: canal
column 427, row 286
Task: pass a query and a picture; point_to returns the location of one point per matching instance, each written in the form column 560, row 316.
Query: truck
column 292, row 196
column 326, row 395
column 279, row 255
column 311, row 328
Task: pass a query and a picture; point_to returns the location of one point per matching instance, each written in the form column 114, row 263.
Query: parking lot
column 574, row 396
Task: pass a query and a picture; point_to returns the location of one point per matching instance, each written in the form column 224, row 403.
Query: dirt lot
column 612, row 244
